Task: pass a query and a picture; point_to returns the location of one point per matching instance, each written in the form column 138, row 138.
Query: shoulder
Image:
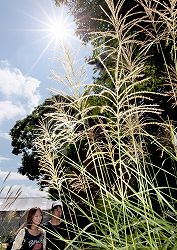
column 46, row 225
column 22, row 231
column 17, row 244
column 42, row 230
column 62, row 224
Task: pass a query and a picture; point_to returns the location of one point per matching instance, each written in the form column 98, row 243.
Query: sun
column 59, row 28
column 58, row 31
column 56, row 27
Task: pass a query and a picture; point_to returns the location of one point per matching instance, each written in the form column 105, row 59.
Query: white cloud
column 4, row 63
column 8, row 110
column 12, row 176
column 5, row 136
column 23, row 197
column 19, row 93
column 14, row 83
column 2, row 158
column 23, row 191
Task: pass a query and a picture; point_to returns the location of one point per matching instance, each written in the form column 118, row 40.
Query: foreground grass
column 95, row 149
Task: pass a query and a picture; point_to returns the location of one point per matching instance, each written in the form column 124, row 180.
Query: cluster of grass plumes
column 105, row 151
column 9, row 219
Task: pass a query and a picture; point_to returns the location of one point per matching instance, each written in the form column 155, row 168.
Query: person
column 56, row 232
column 31, row 237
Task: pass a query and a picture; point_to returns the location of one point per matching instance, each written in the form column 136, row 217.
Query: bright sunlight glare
column 57, row 28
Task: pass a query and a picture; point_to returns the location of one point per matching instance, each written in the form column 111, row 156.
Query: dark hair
column 31, row 214
column 56, row 204
column 54, row 207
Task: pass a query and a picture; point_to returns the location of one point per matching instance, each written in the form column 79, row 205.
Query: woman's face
column 37, row 218
column 57, row 212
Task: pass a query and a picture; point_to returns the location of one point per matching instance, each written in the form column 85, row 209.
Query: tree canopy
column 111, row 151
column 24, row 132
column 23, row 136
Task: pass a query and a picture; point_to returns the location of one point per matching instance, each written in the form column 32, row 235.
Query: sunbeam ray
column 57, row 28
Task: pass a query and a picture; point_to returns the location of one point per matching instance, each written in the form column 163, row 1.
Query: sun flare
column 59, row 30
column 55, row 28
column 59, row 26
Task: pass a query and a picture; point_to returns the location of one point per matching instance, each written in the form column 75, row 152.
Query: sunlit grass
column 95, row 149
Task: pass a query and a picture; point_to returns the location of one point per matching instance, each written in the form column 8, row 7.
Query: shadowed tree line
column 24, row 131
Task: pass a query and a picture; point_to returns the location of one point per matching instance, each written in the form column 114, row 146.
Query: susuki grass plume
column 8, row 217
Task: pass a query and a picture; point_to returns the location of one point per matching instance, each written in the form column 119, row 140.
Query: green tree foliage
column 22, row 142
column 23, row 136
column 111, row 152
column 89, row 15
column 93, row 18
column 25, row 131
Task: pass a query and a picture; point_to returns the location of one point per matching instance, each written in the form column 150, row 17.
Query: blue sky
column 28, row 53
